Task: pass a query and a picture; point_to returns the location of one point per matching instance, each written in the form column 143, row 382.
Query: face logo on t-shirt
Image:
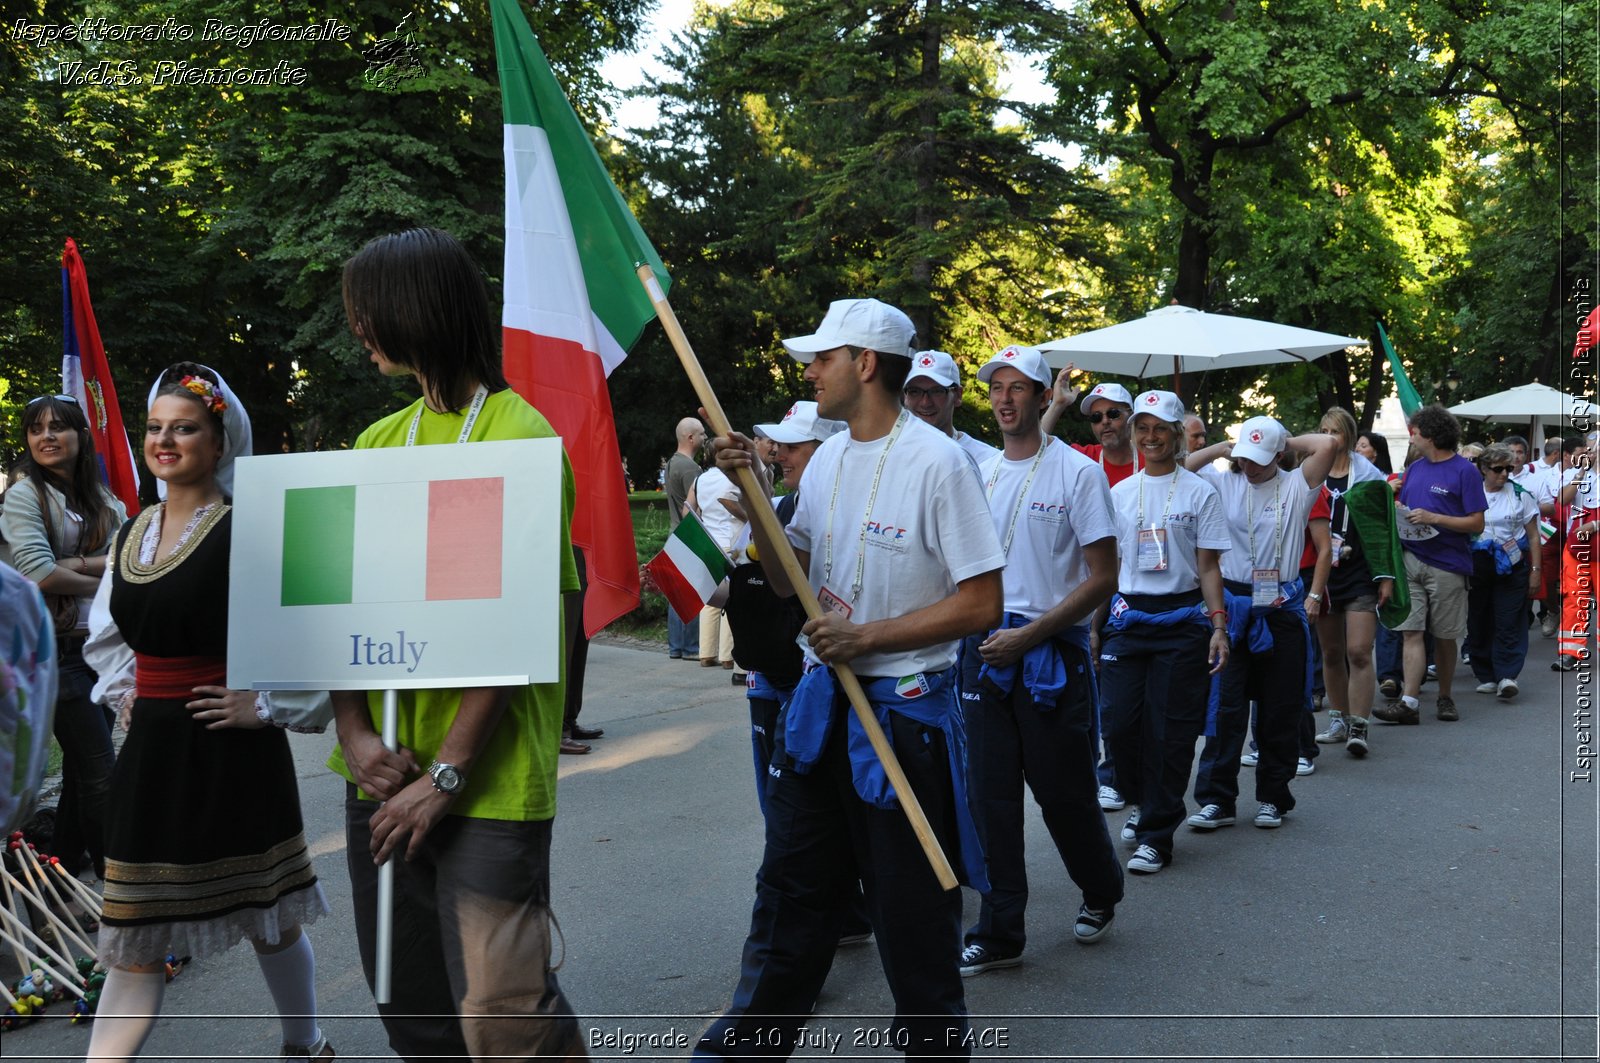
column 887, row 535
column 1053, row 512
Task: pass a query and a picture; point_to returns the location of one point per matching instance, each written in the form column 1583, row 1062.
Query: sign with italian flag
column 573, row 303
column 401, row 568
column 688, row 568
column 443, row 542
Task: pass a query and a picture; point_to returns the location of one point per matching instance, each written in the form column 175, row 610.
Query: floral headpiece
column 207, row 393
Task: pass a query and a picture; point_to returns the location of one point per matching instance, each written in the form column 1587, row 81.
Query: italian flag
column 688, row 568
column 428, row 540
column 573, row 304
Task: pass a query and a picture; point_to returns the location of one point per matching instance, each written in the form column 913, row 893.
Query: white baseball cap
column 864, row 323
column 1114, row 392
column 1028, row 361
column 937, row 366
column 1163, row 405
column 799, row 425
column 1261, row 440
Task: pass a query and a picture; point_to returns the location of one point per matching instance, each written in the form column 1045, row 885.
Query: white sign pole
column 385, row 960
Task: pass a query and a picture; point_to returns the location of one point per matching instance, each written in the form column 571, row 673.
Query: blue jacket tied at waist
column 1246, row 620
column 1124, row 616
column 1043, row 670
column 928, row 699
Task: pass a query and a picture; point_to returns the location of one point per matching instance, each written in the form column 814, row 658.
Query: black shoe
column 586, row 734
column 1564, row 663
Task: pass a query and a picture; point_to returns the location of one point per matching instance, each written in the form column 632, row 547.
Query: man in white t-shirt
column 1559, row 470
column 933, row 391
column 895, row 537
column 1028, row 686
column 1266, row 508
column 716, row 500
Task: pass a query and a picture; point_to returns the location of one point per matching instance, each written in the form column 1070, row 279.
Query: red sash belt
column 176, row 677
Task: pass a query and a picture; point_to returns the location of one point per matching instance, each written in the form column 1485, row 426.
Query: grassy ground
column 649, row 621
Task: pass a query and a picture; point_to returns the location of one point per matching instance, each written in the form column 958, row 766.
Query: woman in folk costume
column 204, row 844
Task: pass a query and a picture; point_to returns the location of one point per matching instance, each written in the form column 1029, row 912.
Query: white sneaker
column 1250, row 758
column 1111, row 800
column 1508, row 689
column 1336, row 732
column 1145, row 861
column 1487, row 688
column 1130, row 829
column 1304, row 766
column 1547, row 625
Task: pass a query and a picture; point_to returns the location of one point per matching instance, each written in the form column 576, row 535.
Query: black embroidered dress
column 204, row 841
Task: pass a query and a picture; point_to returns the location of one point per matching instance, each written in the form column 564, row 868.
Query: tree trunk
column 1373, row 396
column 921, row 308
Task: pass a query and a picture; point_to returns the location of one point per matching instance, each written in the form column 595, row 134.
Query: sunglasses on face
column 1501, row 469
column 1105, row 415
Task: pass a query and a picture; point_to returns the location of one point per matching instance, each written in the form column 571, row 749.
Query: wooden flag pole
column 759, row 507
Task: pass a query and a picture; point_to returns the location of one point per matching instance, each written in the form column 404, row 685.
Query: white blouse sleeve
column 105, row 652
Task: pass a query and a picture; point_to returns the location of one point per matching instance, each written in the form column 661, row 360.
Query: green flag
column 1410, row 401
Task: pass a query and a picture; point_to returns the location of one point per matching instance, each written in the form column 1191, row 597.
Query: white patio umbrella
column 1180, row 339
column 1525, row 402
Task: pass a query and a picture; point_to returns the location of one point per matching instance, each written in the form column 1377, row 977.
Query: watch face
column 447, row 778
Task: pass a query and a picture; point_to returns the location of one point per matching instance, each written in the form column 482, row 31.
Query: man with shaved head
column 683, row 640
column 1194, row 430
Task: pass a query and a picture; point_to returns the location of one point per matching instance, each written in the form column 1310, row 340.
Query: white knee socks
column 291, row 975
column 129, row 1004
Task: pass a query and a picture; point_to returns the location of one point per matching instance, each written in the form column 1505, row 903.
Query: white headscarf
column 235, row 432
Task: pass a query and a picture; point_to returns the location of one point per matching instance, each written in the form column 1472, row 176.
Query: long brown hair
column 81, row 487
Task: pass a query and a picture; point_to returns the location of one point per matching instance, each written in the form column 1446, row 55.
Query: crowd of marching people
column 1089, row 624
column 1145, row 601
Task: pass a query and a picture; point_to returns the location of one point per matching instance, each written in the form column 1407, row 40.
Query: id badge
column 1338, row 548
column 832, row 603
column 1264, row 587
column 1152, row 549
column 1513, row 551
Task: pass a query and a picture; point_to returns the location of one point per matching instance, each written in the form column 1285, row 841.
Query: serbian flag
column 688, row 568
column 86, row 376
column 573, row 304
column 442, row 540
column 1588, row 333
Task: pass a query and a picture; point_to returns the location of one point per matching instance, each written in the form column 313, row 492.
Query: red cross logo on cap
column 792, row 411
column 1255, row 435
column 1151, row 399
column 925, row 361
column 1009, row 352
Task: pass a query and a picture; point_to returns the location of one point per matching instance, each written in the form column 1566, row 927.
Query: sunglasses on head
column 59, row 398
column 1106, row 415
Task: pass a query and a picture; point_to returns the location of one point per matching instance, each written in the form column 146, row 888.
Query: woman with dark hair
column 204, row 841
column 1375, row 448
column 57, row 523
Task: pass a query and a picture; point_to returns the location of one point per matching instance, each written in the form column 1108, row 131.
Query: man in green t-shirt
column 470, row 797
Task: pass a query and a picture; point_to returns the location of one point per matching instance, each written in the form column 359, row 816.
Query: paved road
column 1437, row 900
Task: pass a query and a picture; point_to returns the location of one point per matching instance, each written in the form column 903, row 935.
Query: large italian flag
column 573, row 304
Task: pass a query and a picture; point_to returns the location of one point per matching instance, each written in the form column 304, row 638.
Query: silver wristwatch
column 447, row 778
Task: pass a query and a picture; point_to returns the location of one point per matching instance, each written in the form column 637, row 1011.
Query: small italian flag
column 428, row 540
column 689, row 568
